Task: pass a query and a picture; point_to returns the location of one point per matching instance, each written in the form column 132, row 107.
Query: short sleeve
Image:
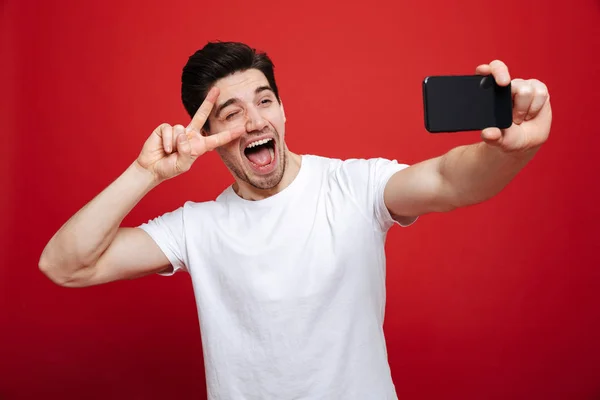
column 366, row 180
column 167, row 231
column 382, row 171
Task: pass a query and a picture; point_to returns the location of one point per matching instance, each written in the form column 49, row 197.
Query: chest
column 311, row 246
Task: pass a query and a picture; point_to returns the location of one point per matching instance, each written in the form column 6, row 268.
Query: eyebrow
column 234, row 100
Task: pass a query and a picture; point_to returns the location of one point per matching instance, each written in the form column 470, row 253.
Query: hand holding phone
column 454, row 103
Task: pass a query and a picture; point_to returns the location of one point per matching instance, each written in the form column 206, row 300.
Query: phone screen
column 465, row 103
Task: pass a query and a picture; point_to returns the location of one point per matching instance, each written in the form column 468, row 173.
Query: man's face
column 258, row 157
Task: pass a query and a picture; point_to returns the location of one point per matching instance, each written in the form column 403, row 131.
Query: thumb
column 492, row 136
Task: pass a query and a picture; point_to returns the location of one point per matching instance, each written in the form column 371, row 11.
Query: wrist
column 143, row 176
column 519, row 156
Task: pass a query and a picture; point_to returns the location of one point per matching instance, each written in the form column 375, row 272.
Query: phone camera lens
column 486, row 82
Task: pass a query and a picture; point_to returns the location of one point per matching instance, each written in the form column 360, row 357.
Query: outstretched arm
column 471, row 174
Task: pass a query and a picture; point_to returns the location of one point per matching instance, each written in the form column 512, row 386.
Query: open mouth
column 261, row 154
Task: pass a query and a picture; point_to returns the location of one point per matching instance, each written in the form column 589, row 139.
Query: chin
column 263, row 161
column 267, row 181
column 263, row 183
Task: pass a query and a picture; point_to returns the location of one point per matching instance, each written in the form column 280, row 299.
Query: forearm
column 477, row 172
column 468, row 175
column 87, row 234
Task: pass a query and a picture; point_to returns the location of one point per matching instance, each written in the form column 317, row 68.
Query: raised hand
column 171, row 150
column 532, row 114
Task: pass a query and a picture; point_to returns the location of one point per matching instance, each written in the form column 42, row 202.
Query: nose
column 254, row 121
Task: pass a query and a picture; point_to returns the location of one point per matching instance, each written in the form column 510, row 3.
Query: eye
column 230, row 116
column 265, row 101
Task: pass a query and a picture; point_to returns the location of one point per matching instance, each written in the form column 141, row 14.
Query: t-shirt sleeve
column 168, row 233
column 366, row 181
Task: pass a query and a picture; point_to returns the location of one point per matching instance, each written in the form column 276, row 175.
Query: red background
column 496, row 301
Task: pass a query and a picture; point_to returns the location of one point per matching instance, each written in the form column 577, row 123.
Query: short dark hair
column 217, row 60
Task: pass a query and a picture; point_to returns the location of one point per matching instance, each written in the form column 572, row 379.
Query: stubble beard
column 259, row 182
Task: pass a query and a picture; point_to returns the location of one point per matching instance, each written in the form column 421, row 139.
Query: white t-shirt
column 290, row 290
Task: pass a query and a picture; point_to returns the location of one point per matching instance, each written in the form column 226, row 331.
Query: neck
column 248, row 192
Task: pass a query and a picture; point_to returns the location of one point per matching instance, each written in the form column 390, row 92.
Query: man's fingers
column 219, row 139
column 497, row 69
column 522, row 97
column 204, row 110
column 500, row 72
column 483, row 69
column 540, row 96
column 184, row 154
column 492, row 136
column 166, row 133
column 177, row 131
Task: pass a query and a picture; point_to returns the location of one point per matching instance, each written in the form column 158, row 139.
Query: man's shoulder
column 353, row 164
column 320, row 159
column 211, row 207
column 350, row 160
column 333, row 163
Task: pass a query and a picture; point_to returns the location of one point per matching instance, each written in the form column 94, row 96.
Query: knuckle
column 541, row 89
column 178, row 129
column 526, row 90
column 540, row 92
column 162, row 130
column 164, row 127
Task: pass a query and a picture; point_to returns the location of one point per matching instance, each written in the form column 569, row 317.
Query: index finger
column 497, row 69
column 500, row 72
column 204, row 110
column 222, row 138
column 483, row 69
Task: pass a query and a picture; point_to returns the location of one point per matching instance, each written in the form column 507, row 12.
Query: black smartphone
column 454, row 103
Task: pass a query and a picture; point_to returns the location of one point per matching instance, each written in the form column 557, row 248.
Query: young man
column 288, row 263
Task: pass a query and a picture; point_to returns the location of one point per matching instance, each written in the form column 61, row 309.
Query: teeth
column 258, row 143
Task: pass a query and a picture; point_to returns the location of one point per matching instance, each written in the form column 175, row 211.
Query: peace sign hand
column 171, row 150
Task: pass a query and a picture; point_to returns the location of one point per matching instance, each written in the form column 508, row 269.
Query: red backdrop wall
column 495, row 301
